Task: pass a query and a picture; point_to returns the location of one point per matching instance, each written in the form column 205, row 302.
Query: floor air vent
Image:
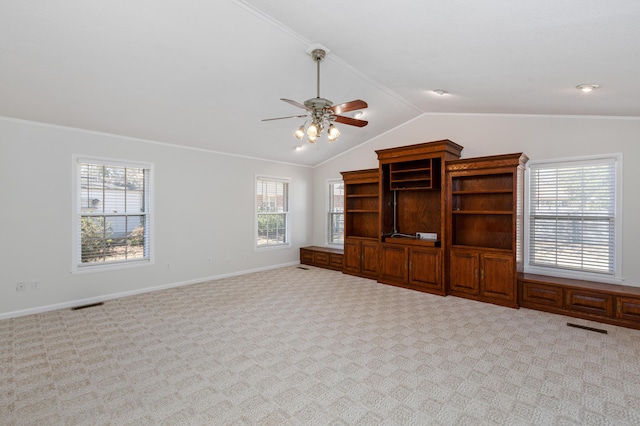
column 302, row 267
column 91, row 305
column 584, row 327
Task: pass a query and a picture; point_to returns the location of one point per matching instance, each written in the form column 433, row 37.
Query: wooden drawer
column 306, row 256
column 321, row 259
column 628, row 308
column 336, row 261
column 590, row 302
column 535, row 294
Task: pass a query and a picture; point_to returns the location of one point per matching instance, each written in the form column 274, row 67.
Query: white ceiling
column 204, row 73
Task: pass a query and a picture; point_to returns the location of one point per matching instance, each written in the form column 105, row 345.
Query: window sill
column 608, row 279
column 110, row 266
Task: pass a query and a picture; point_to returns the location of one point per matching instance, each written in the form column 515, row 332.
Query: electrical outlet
column 35, row 284
column 21, row 286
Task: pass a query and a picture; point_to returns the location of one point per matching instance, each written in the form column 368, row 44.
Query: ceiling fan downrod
column 318, row 55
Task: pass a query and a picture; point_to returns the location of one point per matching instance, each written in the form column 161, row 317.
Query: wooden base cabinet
column 483, row 275
column 361, row 223
column 411, row 266
column 361, row 257
column 608, row 303
column 322, row 257
column 393, row 264
column 425, row 269
column 484, row 227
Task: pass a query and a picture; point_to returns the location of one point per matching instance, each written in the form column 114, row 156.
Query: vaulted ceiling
column 204, row 74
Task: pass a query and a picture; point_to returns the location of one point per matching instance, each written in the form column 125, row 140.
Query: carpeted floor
column 313, row 347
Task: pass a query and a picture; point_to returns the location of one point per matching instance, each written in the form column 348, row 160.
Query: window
column 573, row 224
column 112, row 213
column 272, row 210
column 335, row 218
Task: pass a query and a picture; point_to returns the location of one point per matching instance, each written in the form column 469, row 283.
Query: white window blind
column 336, row 213
column 572, row 215
column 272, row 205
column 112, row 212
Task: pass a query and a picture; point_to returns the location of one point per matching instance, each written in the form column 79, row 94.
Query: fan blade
column 298, row 104
column 351, row 121
column 348, row 106
column 282, row 118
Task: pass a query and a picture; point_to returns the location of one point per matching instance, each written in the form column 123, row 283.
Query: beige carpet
column 313, row 347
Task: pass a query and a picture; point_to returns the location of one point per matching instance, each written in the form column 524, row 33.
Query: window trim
column 286, row 244
column 76, row 266
column 616, row 277
column 328, row 204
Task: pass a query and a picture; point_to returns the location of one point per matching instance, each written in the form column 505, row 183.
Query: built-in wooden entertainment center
column 429, row 221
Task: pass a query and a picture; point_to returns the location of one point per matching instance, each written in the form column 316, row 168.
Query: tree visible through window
column 572, row 216
column 336, row 213
column 272, row 205
column 113, row 213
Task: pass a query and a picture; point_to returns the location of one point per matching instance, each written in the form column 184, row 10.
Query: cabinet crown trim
column 408, row 151
column 489, row 162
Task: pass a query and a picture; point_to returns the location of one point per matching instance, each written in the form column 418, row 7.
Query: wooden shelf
column 412, row 242
column 483, row 192
column 480, row 212
column 481, row 248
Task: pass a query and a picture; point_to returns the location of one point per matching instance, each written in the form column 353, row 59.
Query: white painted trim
column 618, row 277
column 77, row 159
column 103, row 298
column 286, row 245
column 131, row 138
column 327, row 204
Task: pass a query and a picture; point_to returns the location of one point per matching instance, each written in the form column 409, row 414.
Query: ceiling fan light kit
column 321, row 113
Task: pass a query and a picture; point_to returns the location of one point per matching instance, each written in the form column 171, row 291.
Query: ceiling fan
column 322, row 113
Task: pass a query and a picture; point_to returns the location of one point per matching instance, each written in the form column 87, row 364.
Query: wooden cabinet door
column 393, row 263
column 306, row 256
column 352, row 256
column 369, row 263
column 425, row 267
column 628, row 308
column 535, row 295
column 321, row 259
column 463, row 271
column 336, row 261
column 590, row 302
column 497, row 276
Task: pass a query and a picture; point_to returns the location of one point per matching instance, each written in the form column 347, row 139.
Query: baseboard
column 103, row 298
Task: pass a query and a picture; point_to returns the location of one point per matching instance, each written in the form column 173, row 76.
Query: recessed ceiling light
column 440, row 92
column 587, row 87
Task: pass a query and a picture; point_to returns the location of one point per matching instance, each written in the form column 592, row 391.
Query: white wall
column 540, row 137
column 214, row 192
